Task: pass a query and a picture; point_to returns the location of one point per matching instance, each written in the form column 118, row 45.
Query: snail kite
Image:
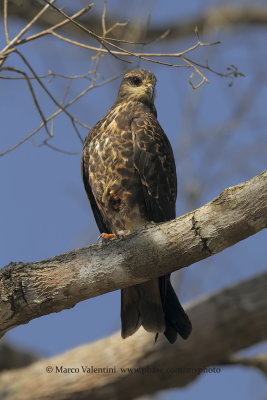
column 129, row 175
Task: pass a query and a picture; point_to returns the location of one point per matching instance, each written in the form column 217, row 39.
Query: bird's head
column 138, row 85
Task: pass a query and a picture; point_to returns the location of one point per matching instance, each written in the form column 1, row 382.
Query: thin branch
column 32, row 94
column 50, row 75
column 103, row 19
column 124, row 52
column 147, row 56
column 45, row 141
column 105, row 31
column 104, row 42
column 29, row 290
column 100, row 39
column 58, row 111
column 73, row 119
column 118, row 51
column 70, row 153
column 203, row 78
column 5, row 21
column 27, row 27
column 16, row 41
column 56, row 26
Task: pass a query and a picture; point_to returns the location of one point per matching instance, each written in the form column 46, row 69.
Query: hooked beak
column 150, row 91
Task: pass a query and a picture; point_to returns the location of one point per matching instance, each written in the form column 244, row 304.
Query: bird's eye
column 136, row 81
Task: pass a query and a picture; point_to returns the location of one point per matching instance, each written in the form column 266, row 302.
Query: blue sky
column 44, row 209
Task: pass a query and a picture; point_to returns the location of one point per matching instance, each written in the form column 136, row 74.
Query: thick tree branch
column 224, row 323
column 224, row 16
column 29, row 290
column 221, row 16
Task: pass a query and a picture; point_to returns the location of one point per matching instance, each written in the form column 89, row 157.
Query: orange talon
column 108, row 236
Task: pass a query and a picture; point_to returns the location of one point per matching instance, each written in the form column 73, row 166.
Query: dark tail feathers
column 154, row 305
column 176, row 319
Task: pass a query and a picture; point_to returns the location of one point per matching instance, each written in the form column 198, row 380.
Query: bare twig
column 5, row 22
column 147, row 56
column 50, row 74
column 32, row 94
column 27, row 27
column 58, row 111
column 107, row 46
column 73, row 119
column 120, row 51
column 52, row 28
column 69, row 153
column 100, row 39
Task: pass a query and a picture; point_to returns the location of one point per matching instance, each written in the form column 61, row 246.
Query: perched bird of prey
column 129, row 175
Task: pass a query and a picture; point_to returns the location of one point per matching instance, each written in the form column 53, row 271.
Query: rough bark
column 221, row 16
column 30, row 290
column 224, row 323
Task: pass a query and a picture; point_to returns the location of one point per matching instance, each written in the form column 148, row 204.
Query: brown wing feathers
column 154, row 161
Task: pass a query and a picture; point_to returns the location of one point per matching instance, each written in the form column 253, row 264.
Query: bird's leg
column 119, row 234
column 108, row 236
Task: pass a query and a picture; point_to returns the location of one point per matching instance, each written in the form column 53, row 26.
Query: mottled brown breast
column 114, row 181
